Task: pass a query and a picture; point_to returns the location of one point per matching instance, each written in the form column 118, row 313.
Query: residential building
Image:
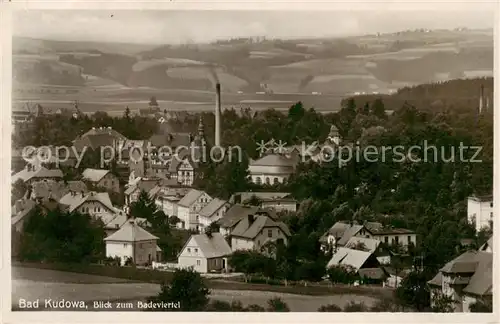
column 205, row 253
column 168, row 198
column 467, row 279
column 31, row 174
column 341, row 232
column 132, row 241
column 354, row 259
column 212, row 212
column 233, row 215
column 189, row 207
column 256, row 230
column 96, row 138
column 388, row 235
column 480, row 211
column 271, row 169
column 96, row 204
column 138, row 184
column 363, row 244
column 278, row 201
column 102, row 179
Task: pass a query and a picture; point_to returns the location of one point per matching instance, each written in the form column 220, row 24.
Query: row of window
column 395, row 240
column 195, row 250
column 258, row 180
column 96, row 209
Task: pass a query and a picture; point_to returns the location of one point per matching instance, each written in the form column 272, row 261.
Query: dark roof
column 473, row 269
column 274, row 160
column 465, row 263
column 235, row 213
column 250, row 230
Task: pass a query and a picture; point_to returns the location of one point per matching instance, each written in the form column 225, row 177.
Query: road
column 39, row 284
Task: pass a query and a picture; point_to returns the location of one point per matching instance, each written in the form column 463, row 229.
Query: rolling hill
column 337, row 67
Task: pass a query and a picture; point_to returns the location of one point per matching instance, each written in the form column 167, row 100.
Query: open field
column 31, row 284
column 369, row 63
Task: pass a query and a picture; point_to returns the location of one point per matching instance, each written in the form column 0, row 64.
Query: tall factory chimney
column 481, row 96
column 217, row 114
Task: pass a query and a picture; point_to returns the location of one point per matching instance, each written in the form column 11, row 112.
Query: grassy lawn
column 72, row 273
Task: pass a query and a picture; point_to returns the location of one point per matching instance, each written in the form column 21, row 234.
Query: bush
column 330, row 308
column 255, row 308
column 277, row 305
column 354, row 307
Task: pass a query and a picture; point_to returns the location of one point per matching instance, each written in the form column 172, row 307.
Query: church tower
column 334, row 136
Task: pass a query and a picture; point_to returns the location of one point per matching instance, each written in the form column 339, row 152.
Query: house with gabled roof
column 32, row 173
column 256, row 230
column 341, row 232
column 167, row 199
column 354, row 259
column 102, row 178
column 190, row 206
column 136, row 185
column 133, row 241
column 212, row 212
column 233, row 215
column 205, row 253
column 467, row 279
column 96, row 204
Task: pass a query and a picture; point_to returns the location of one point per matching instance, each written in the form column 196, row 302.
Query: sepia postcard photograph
column 234, row 160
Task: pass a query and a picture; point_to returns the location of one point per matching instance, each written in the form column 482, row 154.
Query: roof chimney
column 217, row 114
column 251, row 218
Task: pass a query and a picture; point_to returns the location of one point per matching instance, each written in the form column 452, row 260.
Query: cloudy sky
column 160, row 27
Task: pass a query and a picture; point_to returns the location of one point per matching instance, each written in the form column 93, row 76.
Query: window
column 396, row 239
column 195, row 250
column 386, row 240
column 198, row 262
column 189, row 250
column 258, row 242
column 276, row 181
column 268, row 181
column 105, row 183
column 409, row 239
column 258, row 180
column 124, row 244
column 270, row 233
column 491, row 215
column 491, row 204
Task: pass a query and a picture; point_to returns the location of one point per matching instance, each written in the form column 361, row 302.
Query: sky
column 173, row 27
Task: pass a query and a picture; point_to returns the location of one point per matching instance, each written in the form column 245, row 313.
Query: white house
column 132, row 241
column 205, row 253
column 271, row 169
column 96, row 204
column 255, row 231
column 102, row 178
column 480, row 211
column 189, row 207
column 341, row 232
column 167, row 199
column 212, row 212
